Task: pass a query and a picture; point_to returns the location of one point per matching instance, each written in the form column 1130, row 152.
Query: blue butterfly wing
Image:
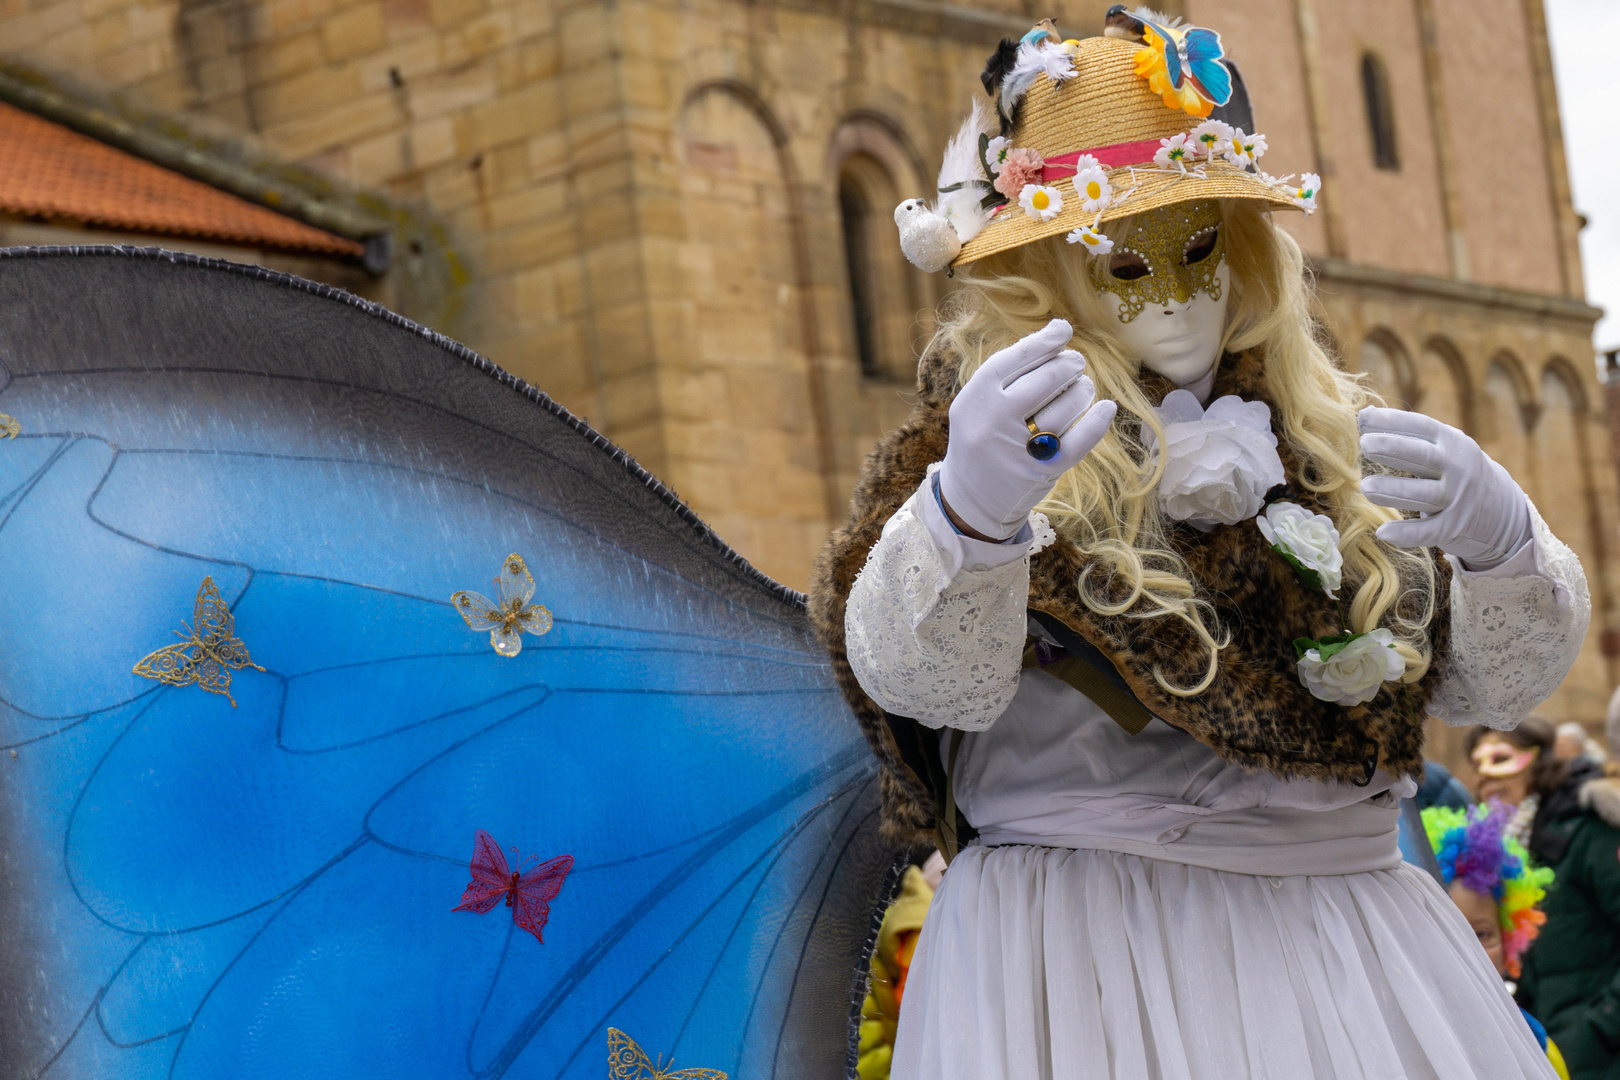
column 192, row 891
column 1172, row 60
column 1209, row 72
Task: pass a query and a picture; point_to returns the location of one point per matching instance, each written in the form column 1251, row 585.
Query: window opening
column 1380, row 112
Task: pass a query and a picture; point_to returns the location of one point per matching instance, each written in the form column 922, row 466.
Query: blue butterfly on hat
column 1191, row 55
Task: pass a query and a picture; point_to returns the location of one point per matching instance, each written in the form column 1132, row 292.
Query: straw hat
column 1093, row 103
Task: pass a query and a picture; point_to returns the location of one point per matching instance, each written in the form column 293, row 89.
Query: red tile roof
column 47, row 170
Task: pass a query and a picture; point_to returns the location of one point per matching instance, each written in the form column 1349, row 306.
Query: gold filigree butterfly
column 9, row 428
column 204, row 656
column 509, row 617
column 627, row 1061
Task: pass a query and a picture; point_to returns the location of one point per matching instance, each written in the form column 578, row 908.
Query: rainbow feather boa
column 1472, row 847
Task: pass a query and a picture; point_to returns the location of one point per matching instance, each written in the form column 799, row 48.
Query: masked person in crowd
column 1137, row 628
column 1568, row 815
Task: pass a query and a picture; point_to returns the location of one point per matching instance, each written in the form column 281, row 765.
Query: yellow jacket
column 891, row 961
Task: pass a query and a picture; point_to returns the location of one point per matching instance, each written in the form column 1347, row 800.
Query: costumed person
column 1519, row 767
column 1134, row 639
column 891, row 965
column 1571, row 978
column 1489, row 877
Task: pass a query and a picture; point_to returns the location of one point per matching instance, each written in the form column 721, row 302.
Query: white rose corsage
column 1346, row 669
column 1218, row 463
column 1309, row 542
column 1349, row 669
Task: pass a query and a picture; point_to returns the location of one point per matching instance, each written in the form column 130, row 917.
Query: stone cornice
column 930, row 17
column 950, row 20
column 1330, row 271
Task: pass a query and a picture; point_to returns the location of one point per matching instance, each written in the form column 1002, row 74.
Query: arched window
column 1380, row 111
column 884, row 295
column 1388, row 368
column 1443, row 387
column 1505, row 416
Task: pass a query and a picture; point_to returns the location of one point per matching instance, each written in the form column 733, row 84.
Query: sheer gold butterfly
column 9, row 428
column 204, row 656
column 508, row 618
column 627, row 1061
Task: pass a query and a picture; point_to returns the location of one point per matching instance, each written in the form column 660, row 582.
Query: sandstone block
column 353, row 32
column 514, row 116
column 447, row 13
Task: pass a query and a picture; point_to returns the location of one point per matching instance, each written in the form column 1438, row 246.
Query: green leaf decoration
column 1327, row 648
column 1333, row 646
column 1310, row 577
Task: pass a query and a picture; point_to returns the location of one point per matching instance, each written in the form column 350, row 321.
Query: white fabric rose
column 1353, row 673
column 1218, row 464
column 1310, row 539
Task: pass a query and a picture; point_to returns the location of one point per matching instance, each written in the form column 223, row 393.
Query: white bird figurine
column 928, row 240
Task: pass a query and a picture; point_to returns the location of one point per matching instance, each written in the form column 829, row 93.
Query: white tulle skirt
column 1041, row 963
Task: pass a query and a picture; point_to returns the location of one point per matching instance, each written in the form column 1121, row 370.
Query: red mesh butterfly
column 529, row 895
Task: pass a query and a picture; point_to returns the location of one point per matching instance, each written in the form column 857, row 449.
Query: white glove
column 988, row 479
column 1470, row 507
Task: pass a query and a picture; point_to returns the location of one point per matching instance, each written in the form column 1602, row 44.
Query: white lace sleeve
column 934, row 628
column 1513, row 637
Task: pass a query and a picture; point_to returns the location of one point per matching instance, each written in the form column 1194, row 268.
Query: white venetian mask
column 1170, row 275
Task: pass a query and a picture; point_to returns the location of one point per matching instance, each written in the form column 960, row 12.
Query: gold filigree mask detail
column 1171, row 253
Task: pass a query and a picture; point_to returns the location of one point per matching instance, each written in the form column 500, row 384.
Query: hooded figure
column 1139, row 632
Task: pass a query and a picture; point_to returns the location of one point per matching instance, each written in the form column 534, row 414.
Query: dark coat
column 1571, row 976
column 1439, row 788
column 1256, row 714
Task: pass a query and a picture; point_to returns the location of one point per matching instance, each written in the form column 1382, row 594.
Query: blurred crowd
column 1544, row 811
column 1528, row 847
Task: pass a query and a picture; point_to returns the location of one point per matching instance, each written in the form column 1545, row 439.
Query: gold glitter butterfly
column 508, row 618
column 627, row 1061
column 9, row 428
column 205, row 656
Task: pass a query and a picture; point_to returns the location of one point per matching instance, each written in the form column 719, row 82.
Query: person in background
column 1572, row 743
column 1489, row 877
column 891, row 963
column 1611, row 730
column 1568, row 816
column 1520, row 768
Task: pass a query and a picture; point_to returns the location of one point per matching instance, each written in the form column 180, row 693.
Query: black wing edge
column 863, row 971
column 791, row 597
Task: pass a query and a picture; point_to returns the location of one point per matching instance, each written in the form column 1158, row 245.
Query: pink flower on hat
column 1023, row 166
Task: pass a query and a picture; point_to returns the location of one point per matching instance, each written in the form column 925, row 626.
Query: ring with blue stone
column 1042, row 445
